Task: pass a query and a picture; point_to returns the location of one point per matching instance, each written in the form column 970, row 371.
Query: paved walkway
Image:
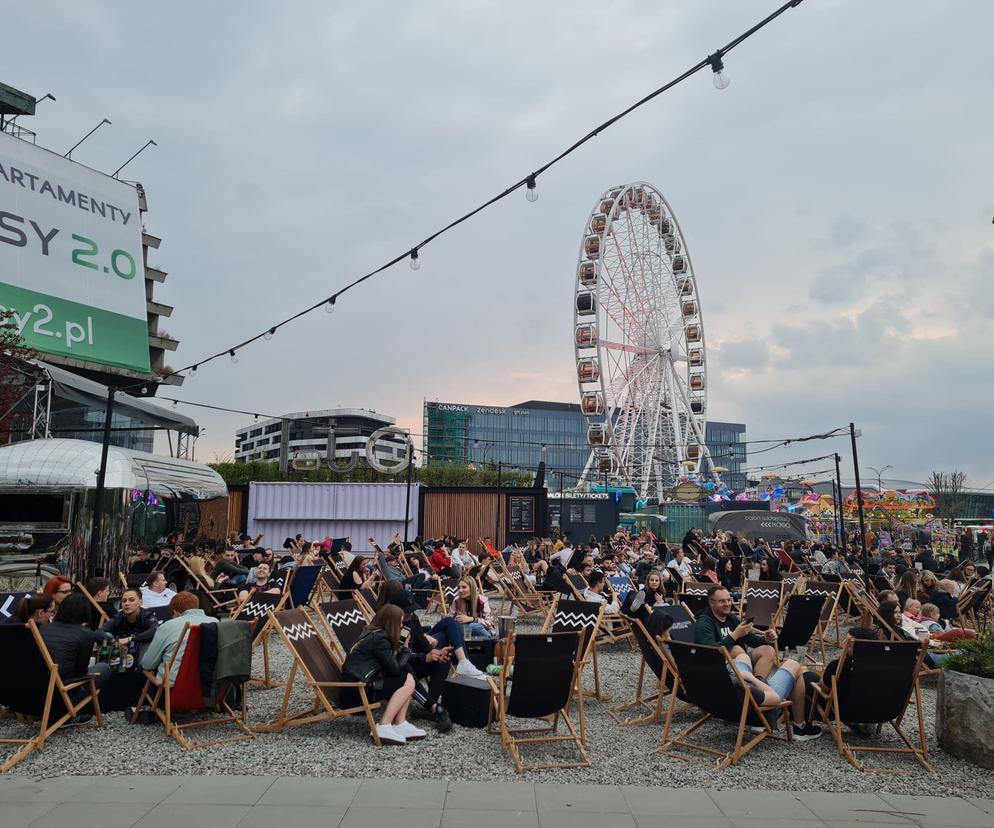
column 275, row 802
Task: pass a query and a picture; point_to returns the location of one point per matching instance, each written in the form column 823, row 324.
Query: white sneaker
column 469, row 669
column 389, row 735
column 409, row 731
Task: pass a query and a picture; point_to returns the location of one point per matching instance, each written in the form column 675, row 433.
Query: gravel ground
column 620, row 755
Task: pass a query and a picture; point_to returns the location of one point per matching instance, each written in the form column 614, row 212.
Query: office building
column 726, row 443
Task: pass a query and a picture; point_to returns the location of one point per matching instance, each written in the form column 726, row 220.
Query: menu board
column 522, row 514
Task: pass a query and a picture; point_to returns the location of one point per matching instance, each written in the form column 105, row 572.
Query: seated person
column 38, row 608
column 378, row 659
column 681, row 563
column 718, row 626
column 786, row 683
column 359, row 575
column 641, row 603
column 647, row 563
column 99, row 589
column 70, row 644
column 155, row 593
column 943, row 596
column 263, row 583
column 932, row 620
column 227, row 570
column 133, row 623
column 595, row 592
column 143, row 563
column 472, row 608
column 185, row 608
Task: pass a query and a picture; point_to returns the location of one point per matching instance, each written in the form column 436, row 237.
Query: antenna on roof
column 148, row 143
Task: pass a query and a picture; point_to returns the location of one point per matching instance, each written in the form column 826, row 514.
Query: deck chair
column 93, row 603
column 531, row 599
column 661, row 666
column 683, row 622
column 343, row 621
column 620, row 585
column 761, row 600
column 711, row 682
column 971, row 602
column 786, row 561
column 302, row 584
column 34, row 688
column 572, row 616
column 315, row 661
column 799, row 622
column 328, row 583
column 130, row 581
column 577, row 584
column 256, row 608
column 546, row 679
column 442, row 598
column 694, row 596
column 880, row 583
column 223, row 598
column 186, row 696
column 873, row 684
column 832, row 591
column 791, row 580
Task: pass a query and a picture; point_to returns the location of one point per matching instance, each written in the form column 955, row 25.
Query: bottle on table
column 129, row 655
column 115, row 658
column 103, row 654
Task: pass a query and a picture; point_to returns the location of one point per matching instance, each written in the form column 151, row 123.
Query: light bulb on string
column 233, row 355
column 174, row 403
column 269, row 334
column 415, row 261
column 329, row 306
column 530, row 192
column 720, row 79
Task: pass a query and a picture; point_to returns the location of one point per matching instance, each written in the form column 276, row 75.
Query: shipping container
column 357, row 511
column 682, row 517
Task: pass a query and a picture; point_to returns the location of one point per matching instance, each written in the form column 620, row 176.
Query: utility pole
column 500, row 496
column 91, row 559
column 859, row 506
column 840, row 522
column 880, row 483
column 407, row 499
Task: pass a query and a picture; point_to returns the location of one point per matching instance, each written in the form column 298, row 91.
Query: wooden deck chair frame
column 749, row 705
column 589, row 654
column 832, row 714
column 801, row 628
column 162, row 705
column 57, row 689
column 577, row 584
column 868, row 608
column 650, row 703
column 300, row 625
column 513, row 591
column 227, row 605
column 327, row 583
column 533, row 601
column 972, row 599
column 262, row 632
column 832, row 592
column 764, row 590
column 513, row 739
column 446, row 591
column 93, row 603
column 137, row 581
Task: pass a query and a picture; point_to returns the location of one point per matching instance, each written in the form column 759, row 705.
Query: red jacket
column 440, row 560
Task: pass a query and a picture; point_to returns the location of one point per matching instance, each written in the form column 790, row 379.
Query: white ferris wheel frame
column 639, row 345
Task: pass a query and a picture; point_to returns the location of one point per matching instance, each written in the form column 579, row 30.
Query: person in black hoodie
column 70, row 644
column 378, row 659
column 132, row 623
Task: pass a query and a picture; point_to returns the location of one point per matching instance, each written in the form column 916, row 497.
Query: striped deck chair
column 761, row 601
column 314, row 659
column 344, row 621
column 256, row 608
column 566, row 616
column 442, row 598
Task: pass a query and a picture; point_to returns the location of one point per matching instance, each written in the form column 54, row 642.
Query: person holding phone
column 717, row 626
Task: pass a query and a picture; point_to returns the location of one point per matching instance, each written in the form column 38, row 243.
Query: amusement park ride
column 641, row 363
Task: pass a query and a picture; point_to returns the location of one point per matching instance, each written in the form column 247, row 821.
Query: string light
column 269, row 334
column 721, row 81
column 531, row 193
column 329, row 306
column 233, row 355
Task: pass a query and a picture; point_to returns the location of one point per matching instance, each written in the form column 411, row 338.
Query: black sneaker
column 638, row 601
column 79, row 719
column 443, row 721
column 806, row 732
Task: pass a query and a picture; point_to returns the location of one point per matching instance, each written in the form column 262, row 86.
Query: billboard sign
column 71, row 269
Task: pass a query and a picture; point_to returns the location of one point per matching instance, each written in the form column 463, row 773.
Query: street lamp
column 880, row 472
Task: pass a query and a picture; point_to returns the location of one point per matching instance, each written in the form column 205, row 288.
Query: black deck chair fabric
column 762, row 600
column 828, row 590
column 256, row 608
column 683, row 624
column 24, row 691
column 695, row 597
column 801, row 620
column 163, row 614
column 331, row 579
column 543, row 673
column 879, row 678
column 571, row 616
column 708, row 685
column 345, row 620
column 303, row 583
column 880, row 583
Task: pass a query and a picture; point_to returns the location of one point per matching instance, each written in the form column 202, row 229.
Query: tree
column 947, row 489
column 17, row 375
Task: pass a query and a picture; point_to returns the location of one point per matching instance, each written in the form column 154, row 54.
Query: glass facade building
column 519, row 436
column 726, row 443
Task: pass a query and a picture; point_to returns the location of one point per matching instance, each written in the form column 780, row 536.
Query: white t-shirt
column 563, row 556
column 684, row 567
column 611, row 608
column 152, row 599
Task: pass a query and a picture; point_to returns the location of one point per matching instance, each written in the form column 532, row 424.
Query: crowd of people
column 405, row 664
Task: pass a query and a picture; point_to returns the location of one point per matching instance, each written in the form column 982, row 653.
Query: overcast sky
column 837, row 198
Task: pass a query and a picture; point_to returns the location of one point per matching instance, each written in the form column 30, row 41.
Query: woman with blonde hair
column 471, row 607
column 379, row 660
column 198, row 566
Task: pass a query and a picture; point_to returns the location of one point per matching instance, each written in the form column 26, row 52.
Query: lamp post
column 880, row 472
column 840, row 519
column 853, row 433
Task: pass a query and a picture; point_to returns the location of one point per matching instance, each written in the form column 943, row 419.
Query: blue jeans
column 448, row 631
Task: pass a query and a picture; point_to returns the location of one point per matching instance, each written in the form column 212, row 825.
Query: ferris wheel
column 639, row 342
